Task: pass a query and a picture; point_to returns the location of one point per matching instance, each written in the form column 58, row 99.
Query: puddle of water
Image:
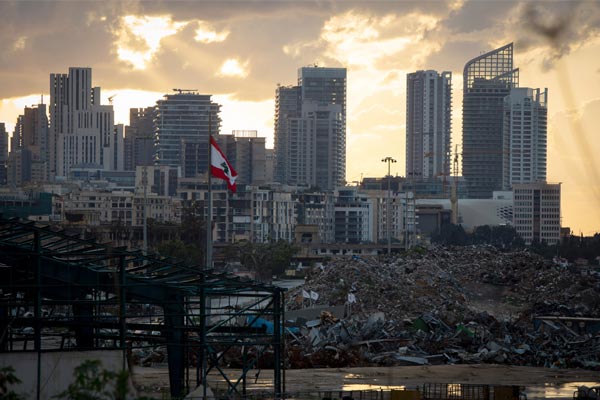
column 354, row 387
column 552, row 391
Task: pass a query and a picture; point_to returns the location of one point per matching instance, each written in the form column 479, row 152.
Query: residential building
column 246, row 152
column 161, row 180
column 3, row 153
column 428, row 124
column 139, row 138
column 536, row 212
column 269, row 166
column 397, row 215
column 182, row 125
column 28, row 160
column 525, row 136
column 121, row 207
column 328, row 86
column 353, row 219
column 310, row 129
column 288, row 106
column 81, row 128
column 257, row 214
column 487, row 80
column 316, row 209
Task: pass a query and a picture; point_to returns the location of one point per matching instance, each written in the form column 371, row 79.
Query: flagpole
column 209, row 219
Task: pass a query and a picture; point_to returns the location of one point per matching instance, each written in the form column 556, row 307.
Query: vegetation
column 92, row 382
column 7, row 379
column 265, row 259
column 188, row 245
column 506, row 237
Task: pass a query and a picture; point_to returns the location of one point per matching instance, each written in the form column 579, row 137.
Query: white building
column 537, row 212
column 428, row 124
column 81, row 129
column 310, row 129
column 525, row 136
column 121, row 207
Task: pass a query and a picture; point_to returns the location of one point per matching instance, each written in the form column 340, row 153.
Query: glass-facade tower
column 428, row 124
column 182, row 123
column 488, row 79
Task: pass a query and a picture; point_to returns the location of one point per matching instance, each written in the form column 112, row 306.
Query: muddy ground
column 538, row 382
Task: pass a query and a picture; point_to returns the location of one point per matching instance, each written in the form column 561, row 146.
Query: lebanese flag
column 220, row 167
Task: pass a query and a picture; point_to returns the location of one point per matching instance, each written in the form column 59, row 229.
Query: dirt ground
column 539, row 382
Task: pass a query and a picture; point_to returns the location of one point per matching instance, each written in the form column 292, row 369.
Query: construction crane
column 181, row 91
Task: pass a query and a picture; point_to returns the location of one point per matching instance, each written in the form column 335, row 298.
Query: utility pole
column 389, row 161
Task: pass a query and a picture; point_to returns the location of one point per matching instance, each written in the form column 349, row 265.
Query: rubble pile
column 448, row 305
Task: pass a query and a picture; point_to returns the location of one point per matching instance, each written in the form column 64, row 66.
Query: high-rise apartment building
column 139, row 138
column 81, row 128
column 182, row 125
column 28, row 159
column 288, row 105
column 245, row 150
column 487, row 80
column 428, row 124
column 536, row 212
column 525, row 136
column 310, row 129
column 3, row 153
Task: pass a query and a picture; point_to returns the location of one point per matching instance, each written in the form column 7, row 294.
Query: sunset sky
column 240, row 50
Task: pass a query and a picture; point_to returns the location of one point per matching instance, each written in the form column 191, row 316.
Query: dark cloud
column 560, row 27
column 476, row 16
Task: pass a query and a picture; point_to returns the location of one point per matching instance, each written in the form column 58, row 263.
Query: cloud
column 20, row 43
column 560, row 27
column 138, row 38
column 206, row 34
column 232, row 67
column 359, row 39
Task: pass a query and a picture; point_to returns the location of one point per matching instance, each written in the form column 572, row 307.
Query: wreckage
column 445, row 305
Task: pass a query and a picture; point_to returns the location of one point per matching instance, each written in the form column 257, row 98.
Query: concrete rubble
column 448, row 305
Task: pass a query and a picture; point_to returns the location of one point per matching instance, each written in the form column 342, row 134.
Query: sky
column 239, row 51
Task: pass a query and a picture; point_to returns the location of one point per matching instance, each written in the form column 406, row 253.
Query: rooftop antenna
column 181, row 91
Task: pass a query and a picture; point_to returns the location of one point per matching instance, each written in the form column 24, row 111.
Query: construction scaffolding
column 62, row 293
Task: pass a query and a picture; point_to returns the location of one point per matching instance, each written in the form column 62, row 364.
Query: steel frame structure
column 60, row 293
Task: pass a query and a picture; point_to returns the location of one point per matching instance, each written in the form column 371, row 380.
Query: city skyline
column 139, row 51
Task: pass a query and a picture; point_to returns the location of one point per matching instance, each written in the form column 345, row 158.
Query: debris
column 471, row 304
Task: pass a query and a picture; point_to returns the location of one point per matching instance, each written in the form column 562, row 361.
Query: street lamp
column 389, row 161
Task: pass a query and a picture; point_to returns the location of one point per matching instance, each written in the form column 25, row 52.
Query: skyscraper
column 182, row 124
column 30, row 146
column 81, row 129
column 288, row 105
column 310, row 129
column 3, row 153
column 525, row 136
column 139, row 138
column 487, row 80
column 428, row 124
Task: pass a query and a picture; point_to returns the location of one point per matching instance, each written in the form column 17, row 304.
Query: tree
column 188, row 253
column 8, row 378
column 451, row 235
column 266, row 259
column 92, row 382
